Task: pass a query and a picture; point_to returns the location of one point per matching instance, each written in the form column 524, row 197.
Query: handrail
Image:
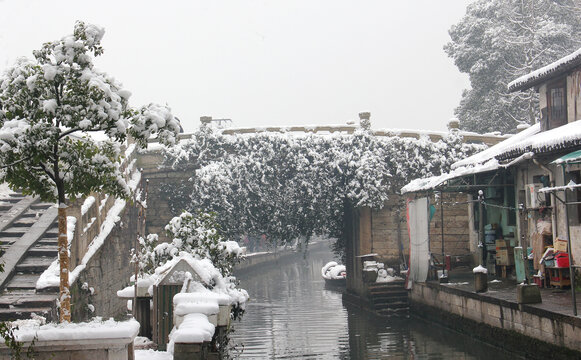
column 91, row 212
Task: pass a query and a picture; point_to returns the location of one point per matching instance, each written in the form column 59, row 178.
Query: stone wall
column 534, row 332
column 160, row 211
column 108, row 270
column 389, row 234
column 384, row 232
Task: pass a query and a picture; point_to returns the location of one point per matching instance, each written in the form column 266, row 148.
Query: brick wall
column 389, row 228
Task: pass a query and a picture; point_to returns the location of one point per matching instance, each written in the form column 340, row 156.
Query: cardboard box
column 560, row 245
column 502, row 243
column 505, row 256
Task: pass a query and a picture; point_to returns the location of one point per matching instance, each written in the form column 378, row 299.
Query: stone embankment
column 536, row 331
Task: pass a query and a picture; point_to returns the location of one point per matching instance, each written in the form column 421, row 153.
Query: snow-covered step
column 41, row 206
column 24, row 222
column 26, row 313
column 21, row 281
column 34, row 264
column 12, row 232
column 18, row 240
column 28, row 234
column 26, row 299
column 44, row 250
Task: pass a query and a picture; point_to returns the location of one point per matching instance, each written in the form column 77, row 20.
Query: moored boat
column 334, row 274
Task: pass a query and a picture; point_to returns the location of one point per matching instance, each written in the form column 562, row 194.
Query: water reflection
column 292, row 315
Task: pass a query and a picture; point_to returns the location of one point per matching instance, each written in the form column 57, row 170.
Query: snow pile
column 89, row 201
column 332, row 270
column 197, row 307
column 480, row 270
column 194, row 329
column 386, row 276
column 152, row 355
column 95, row 329
column 5, row 190
column 500, row 148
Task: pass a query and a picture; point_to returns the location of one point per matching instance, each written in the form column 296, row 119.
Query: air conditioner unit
column 533, row 200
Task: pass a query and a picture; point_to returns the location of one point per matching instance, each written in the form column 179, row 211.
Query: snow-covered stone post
column 365, row 120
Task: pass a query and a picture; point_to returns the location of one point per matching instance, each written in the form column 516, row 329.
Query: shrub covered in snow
column 197, row 234
column 289, row 186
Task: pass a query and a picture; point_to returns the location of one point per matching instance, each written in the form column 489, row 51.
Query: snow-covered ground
column 4, row 190
column 152, row 355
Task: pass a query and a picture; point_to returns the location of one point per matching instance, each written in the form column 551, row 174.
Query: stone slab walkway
column 553, row 299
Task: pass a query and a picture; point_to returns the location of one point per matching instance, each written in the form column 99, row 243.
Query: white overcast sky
column 265, row 62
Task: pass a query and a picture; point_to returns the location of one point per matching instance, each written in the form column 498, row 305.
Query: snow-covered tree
column 499, row 40
column 288, row 187
column 196, row 234
column 49, row 108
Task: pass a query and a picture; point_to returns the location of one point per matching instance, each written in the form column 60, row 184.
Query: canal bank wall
column 255, row 261
column 524, row 330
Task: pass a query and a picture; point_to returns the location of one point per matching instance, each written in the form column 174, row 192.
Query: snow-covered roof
column 562, row 138
column 498, row 149
column 523, row 145
column 432, row 182
column 541, row 75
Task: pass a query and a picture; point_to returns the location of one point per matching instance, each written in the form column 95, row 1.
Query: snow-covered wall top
column 541, row 75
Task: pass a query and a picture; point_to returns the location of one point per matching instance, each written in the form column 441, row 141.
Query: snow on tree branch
column 287, row 186
column 62, row 122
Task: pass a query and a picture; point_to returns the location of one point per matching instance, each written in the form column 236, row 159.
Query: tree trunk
column 63, row 248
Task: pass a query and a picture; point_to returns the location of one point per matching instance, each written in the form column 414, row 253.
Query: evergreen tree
column 49, row 106
column 288, row 187
column 499, row 40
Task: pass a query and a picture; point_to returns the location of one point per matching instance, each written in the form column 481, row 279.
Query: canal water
column 291, row 315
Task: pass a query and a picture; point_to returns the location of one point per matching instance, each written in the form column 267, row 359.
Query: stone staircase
column 389, row 299
column 28, row 237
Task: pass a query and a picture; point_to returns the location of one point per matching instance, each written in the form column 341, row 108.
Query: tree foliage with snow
column 197, row 234
column 50, row 106
column 498, row 41
column 288, row 187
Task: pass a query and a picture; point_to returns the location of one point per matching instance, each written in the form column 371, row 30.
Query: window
column 557, row 105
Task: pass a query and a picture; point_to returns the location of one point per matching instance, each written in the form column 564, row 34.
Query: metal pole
column 571, row 270
column 481, row 225
column 442, row 226
column 136, row 249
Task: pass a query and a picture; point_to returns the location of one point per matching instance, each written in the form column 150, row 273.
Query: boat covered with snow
column 334, row 274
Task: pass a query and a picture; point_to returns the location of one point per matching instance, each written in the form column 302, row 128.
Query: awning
column 570, row 158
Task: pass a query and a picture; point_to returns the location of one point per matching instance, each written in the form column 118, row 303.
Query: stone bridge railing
column 435, row 136
column 92, row 211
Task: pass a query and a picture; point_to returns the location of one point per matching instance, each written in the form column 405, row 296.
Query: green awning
column 570, row 158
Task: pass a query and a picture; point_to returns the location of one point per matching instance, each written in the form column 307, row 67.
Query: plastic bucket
column 562, row 260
